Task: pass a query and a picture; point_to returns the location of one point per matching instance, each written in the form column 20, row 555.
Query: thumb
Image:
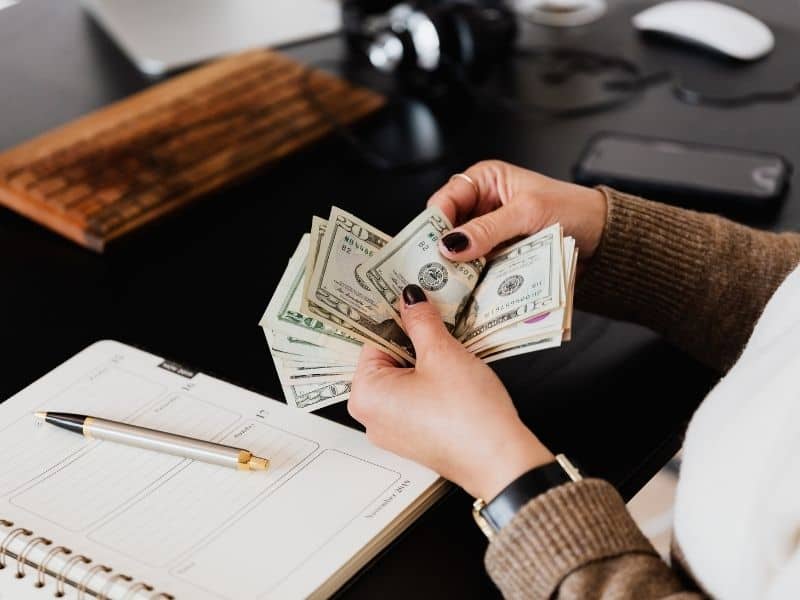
column 479, row 236
column 422, row 322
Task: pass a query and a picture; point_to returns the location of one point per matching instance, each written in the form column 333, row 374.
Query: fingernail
column 455, row 241
column 412, row 294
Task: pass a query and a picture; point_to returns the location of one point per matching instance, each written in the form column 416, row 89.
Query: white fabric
column 737, row 510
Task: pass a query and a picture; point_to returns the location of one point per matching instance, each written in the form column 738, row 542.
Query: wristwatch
column 492, row 516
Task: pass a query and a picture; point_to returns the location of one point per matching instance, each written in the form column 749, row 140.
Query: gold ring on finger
column 469, row 180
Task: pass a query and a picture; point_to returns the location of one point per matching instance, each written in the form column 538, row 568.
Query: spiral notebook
column 95, row 519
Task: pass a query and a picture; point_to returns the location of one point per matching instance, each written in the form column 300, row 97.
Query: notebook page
column 187, row 528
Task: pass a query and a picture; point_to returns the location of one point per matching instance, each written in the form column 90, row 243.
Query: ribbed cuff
column 698, row 279
column 647, row 264
column 557, row 533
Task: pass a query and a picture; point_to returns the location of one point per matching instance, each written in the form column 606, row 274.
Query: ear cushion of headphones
column 464, row 35
column 476, row 36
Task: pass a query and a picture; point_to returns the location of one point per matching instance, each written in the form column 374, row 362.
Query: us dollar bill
column 315, row 396
column 319, row 368
column 301, row 361
column 342, row 287
column 318, row 227
column 294, row 350
column 521, row 348
column 313, row 327
column 573, row 271
column 413, row 257
column 284, row 315
column 338, row 287
column 519, row 282
column 291, row 348
column 312, row 369
column 297, row 377
column 542, row 325
column 308, row 396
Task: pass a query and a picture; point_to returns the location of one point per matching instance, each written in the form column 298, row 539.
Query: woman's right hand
column 510, row 202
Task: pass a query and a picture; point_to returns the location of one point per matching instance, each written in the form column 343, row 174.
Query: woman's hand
column 511, row 201
column 450, row 412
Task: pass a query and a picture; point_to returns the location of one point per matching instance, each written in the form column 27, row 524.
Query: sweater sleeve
column 699, row 280
column 578, row 541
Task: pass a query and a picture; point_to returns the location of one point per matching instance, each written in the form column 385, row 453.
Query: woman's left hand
column 450, row 412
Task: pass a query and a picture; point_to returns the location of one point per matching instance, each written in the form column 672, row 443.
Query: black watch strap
column 502, row 508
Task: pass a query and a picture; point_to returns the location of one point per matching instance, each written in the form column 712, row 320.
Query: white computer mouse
column 717, row 26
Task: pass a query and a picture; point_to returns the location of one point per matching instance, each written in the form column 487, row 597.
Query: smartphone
column 685, row 173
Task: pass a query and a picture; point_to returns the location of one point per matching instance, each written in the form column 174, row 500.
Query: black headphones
column 430, row 36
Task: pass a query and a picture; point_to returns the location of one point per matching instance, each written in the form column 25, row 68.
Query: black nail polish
column 455, row 241
column 412, row 294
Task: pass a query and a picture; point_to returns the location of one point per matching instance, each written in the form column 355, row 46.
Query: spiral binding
column 61, row 577
column 23, row 556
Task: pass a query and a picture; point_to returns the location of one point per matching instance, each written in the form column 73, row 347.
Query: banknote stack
column 343, row 286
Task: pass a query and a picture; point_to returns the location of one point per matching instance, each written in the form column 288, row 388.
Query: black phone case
column 677, row 192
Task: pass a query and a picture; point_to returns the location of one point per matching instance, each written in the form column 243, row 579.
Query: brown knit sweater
column 699, row 280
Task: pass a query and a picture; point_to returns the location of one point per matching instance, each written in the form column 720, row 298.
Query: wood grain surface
column 133, row 161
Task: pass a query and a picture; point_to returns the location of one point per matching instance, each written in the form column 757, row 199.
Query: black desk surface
column 193, row 288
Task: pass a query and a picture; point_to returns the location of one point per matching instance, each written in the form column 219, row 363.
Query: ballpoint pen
column 160, row 441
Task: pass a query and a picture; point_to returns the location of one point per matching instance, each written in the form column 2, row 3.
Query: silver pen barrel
column 171, row 443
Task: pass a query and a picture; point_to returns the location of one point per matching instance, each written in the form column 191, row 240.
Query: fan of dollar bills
column 343, row 284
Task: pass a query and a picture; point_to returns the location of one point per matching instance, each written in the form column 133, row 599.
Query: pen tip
column 40, row 415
